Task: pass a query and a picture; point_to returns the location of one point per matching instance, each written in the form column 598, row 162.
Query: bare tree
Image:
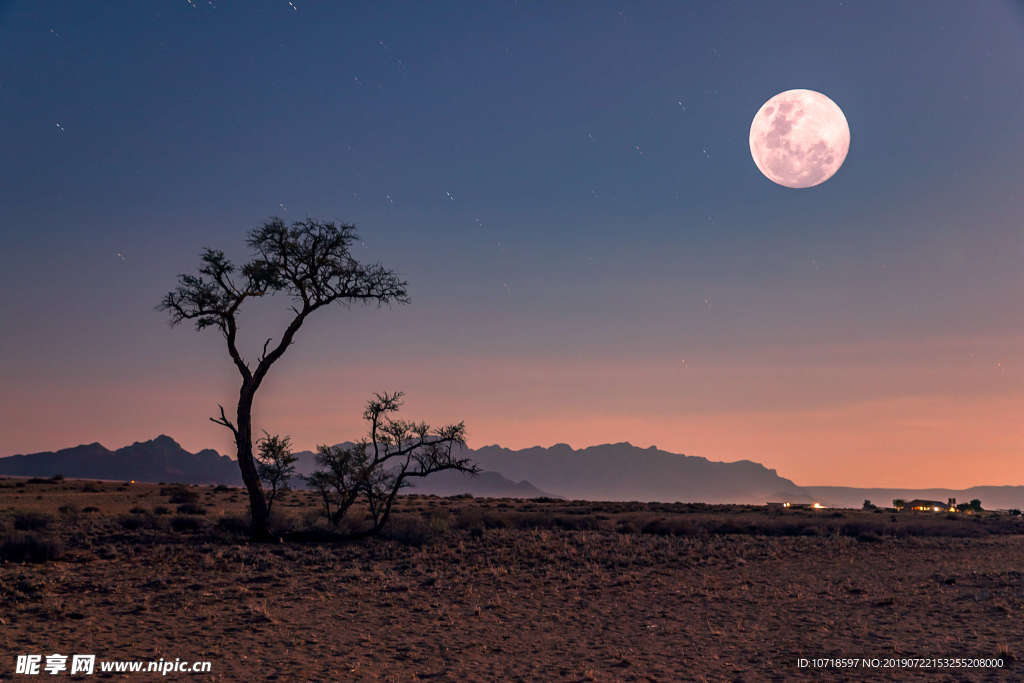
column 309, row 262
column 275, row 465
column 338, row 484
column 380, row 466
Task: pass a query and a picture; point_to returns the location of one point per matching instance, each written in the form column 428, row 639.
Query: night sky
column 569, row 191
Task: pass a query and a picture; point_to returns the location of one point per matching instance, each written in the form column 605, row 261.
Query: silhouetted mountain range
column 618, row 471
column 622, row 471
column 160, row 459
column 163, row 460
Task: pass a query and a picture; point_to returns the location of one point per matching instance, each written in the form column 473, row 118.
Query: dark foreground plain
column 486, row 589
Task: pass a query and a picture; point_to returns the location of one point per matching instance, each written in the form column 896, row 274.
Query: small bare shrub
column 32, row 521
column 143, row 521
column 658, row 527
column 275, row 465
column 440, row 522
column 627, row 526
column 409, row 531
column 281, row 524
column 235, row 526
column 471, row 517
column 186, row 523
column 179, row 494
column 191, row 509
column 30, row 548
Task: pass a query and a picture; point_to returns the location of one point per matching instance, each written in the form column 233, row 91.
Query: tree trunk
column 246, row 463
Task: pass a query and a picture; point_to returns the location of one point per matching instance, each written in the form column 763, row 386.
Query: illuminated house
column 920, row 505
column 797, row 506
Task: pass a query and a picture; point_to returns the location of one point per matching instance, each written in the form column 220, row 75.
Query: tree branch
column 265, row 344
column 224, row 421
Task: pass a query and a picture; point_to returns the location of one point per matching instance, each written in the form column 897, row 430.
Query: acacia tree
column 275, row 465
column 377, row 468
column 309, row 262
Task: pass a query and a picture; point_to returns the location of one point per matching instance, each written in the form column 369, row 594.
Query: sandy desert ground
column 504, row 590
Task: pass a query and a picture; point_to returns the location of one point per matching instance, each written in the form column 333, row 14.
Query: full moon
column 799, row 138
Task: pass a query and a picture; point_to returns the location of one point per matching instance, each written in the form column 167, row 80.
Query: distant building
column 796, row 506
column 921, row 505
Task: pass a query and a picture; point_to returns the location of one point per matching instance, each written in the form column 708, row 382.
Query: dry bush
column 311, row 517
column 281, row 523
column 627, row 526
column 942, row 528
column 233, row 526
column 321, row 534
column 144, row 521
column 440, row 521
column 667, row 527
column 541, row 520
column 191, row 509
column 30, row 548
column 185, row 523
column 409, row 531
column 32, row 521
column 471, row 517
column 180, row 494
column 69, row 511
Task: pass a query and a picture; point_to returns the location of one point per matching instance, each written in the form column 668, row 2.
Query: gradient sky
column 569, row 191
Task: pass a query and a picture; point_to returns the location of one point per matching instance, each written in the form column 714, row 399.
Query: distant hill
column 991, row 497
column 160, row 459
column 486, row 484
column 163, row 460
column 622, row 471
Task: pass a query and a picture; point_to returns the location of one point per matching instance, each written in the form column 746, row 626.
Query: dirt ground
column 478, row 602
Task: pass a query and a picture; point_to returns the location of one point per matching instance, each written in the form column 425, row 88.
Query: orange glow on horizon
column 844, row 420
